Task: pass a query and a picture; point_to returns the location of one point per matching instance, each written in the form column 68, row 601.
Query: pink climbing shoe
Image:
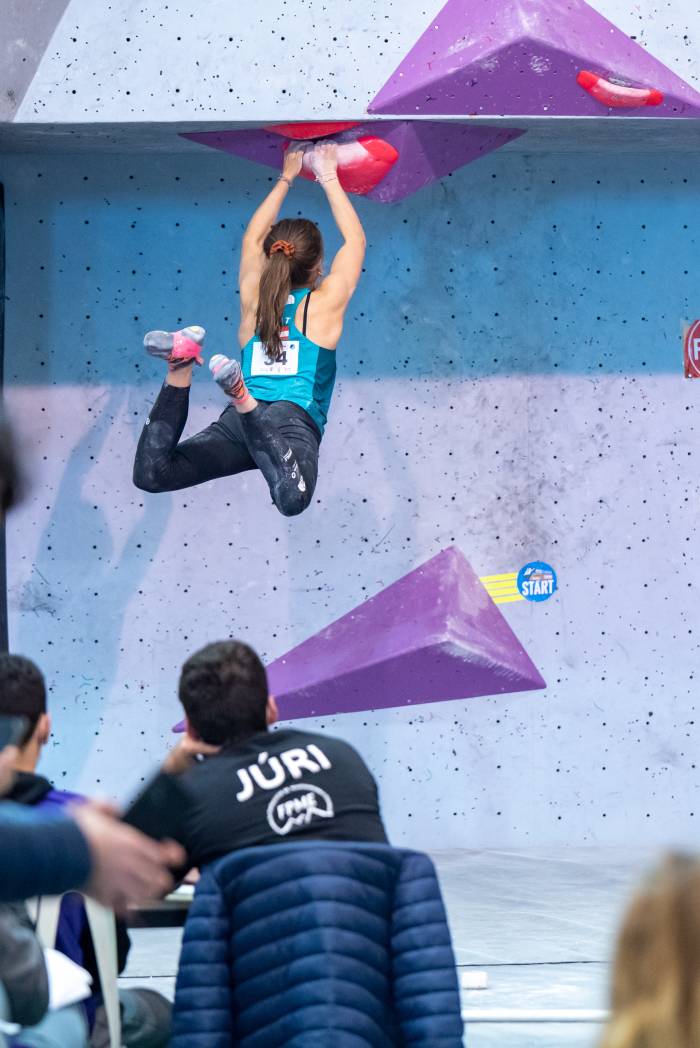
column 179, row 348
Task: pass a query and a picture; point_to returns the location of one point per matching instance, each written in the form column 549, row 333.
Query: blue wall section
column 596, row 254
column 510, row 381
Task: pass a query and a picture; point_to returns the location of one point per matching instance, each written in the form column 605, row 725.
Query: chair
column 4, row 1014
column 302, row 945
column 45, row 913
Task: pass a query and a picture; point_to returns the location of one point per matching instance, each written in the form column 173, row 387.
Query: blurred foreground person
column 656, row 977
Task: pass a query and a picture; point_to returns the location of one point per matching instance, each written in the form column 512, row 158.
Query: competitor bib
column 261, row 364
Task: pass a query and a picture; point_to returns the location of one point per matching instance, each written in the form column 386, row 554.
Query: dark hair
column 22, row 691
column 9, row 470
column 282, row 272
column 223, row 689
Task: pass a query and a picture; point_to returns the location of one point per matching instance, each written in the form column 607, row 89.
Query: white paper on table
column 68, row 982
column 183, row 893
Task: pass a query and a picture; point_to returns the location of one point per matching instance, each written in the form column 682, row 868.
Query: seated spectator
column 24, row 979
column 23, row 693
column 253, row 786
column 656, row 975
column 341, row 939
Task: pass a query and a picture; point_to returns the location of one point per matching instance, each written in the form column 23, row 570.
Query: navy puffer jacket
column 318, row 945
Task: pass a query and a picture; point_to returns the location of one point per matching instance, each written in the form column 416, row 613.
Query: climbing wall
column 74, row 61
column 510, row 385
column 424, row 150
column 535, row 58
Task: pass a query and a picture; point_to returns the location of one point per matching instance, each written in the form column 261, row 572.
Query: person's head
column 9, row 470
column 656, row 976
column 294, row 253
column 223, row 690
column 23, row 694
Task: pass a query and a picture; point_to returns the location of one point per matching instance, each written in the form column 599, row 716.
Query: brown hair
column 656, row 978
column 298, row 249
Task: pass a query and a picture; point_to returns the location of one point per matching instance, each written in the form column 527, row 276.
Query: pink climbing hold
column 428, row 149
column 521, row 58
column 362, row 164
column 312, row 130
column 617, row 96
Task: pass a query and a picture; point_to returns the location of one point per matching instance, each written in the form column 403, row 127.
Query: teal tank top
column 305, row 375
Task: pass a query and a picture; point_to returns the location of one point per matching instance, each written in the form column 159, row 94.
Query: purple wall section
column 433, row 635
column 508, row 57
column 427, row 150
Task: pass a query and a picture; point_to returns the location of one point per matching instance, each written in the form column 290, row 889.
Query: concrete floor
column 540, row 923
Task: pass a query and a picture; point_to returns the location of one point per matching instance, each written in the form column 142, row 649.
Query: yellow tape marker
column 503, row 588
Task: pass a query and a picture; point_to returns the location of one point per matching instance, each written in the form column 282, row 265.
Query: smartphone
column 12, row 730
column 161, row 809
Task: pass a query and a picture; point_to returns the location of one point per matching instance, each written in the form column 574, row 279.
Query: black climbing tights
column 277, row 438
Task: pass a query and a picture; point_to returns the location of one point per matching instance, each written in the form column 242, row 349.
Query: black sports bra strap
column 306, row 312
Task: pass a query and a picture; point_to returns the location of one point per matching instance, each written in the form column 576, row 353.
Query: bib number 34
column 261, row 364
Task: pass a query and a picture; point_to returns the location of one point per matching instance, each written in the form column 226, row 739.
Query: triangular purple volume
column 431, row 149
column 428, row 150
column 433, row 635
column 521, row 58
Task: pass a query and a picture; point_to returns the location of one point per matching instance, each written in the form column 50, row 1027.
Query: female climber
column 291, row 321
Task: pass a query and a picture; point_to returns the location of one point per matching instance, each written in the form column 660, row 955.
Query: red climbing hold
column 362, row 164
column 691, row 350
column 318, row 130
column 616, row 96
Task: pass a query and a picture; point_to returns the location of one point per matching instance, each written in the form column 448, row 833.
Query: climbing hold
column 506, row 58
column 432, row 635
column 428, row 149
column 362, row 164
column 317, row 130
column 617, row 96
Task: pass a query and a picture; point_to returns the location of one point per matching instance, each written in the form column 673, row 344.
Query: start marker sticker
column 537, row 581
column 691, row 350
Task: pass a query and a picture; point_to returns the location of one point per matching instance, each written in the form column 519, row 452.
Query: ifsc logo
column 537, row 581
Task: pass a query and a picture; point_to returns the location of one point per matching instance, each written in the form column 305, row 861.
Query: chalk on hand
column 474, row 980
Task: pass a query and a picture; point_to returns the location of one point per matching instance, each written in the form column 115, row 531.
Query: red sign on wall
column 691, row 350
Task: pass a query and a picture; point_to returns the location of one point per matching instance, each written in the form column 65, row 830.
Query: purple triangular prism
column 521, row 58
column 431, row 149
column 435, row 634
column 428, row 150
column 263, row 147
